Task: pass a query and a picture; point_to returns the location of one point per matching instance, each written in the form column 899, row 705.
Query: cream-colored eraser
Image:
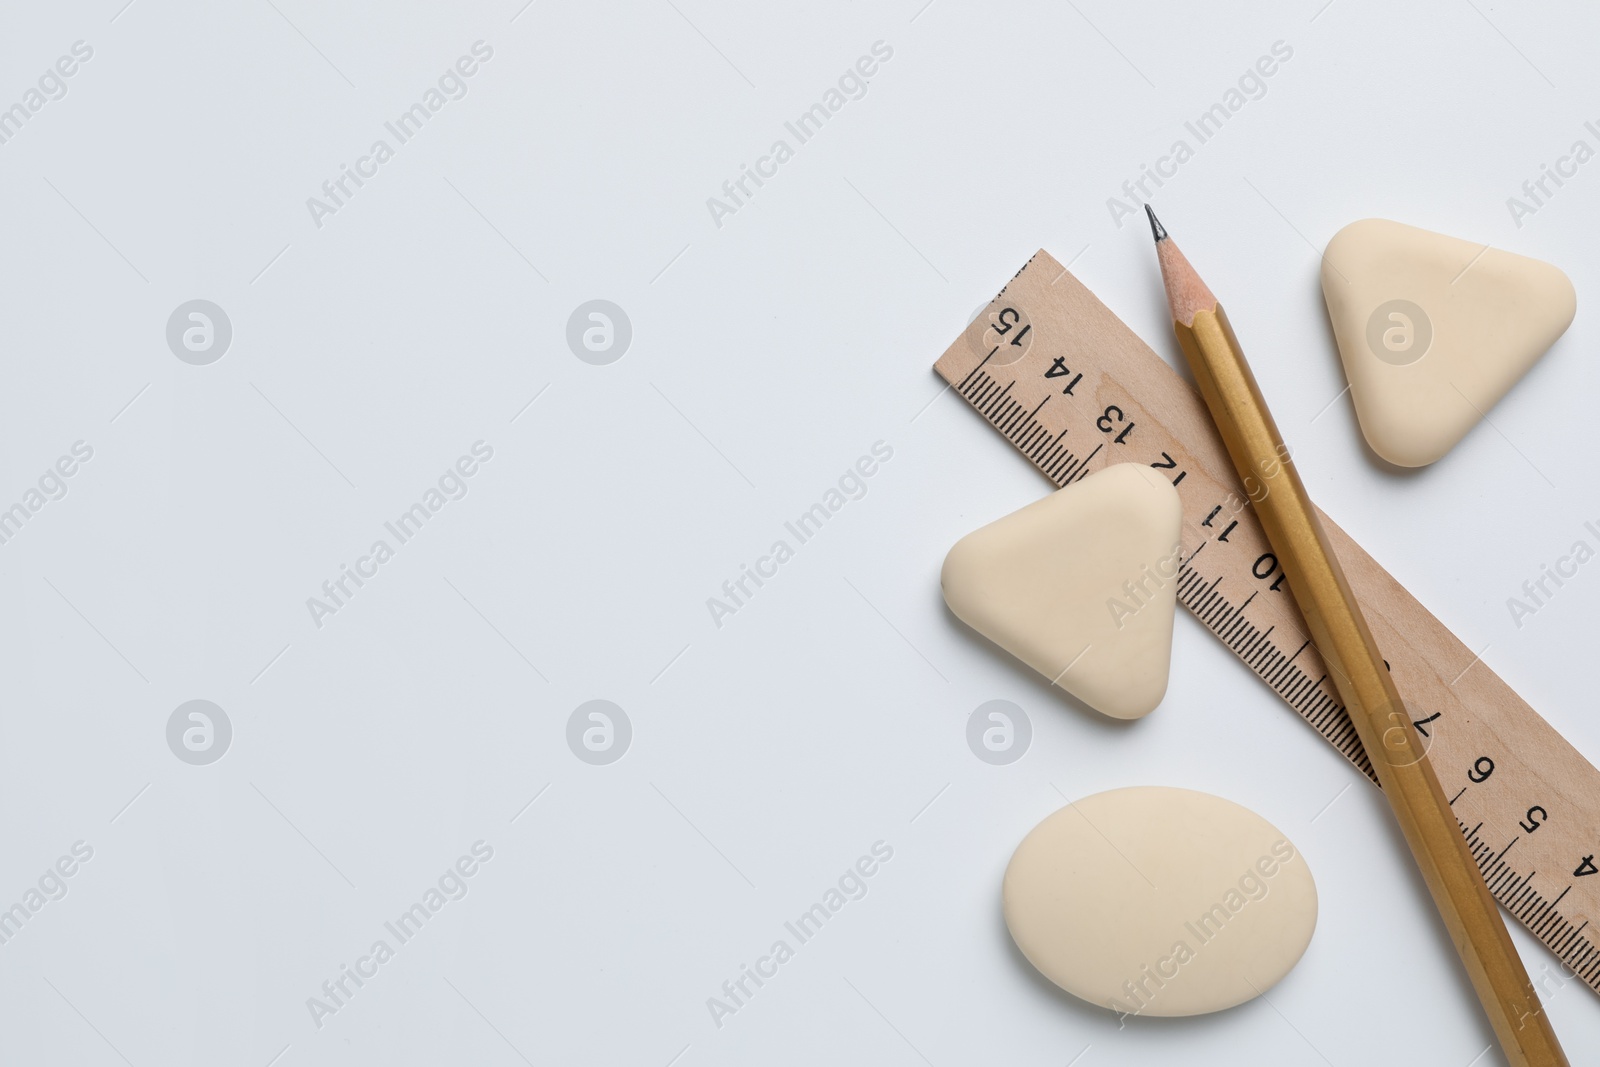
column 1434, row 330
column 1081, row 586
column 1159, row 901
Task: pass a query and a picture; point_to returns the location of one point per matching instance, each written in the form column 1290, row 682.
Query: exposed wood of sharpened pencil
column 1340, row 633
column 1187, row 295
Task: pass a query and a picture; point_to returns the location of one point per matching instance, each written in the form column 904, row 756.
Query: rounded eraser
column 1160, row 901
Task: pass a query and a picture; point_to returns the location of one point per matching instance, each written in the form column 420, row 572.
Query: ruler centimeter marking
column 1075, row 390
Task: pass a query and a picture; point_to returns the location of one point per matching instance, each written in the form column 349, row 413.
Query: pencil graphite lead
column 1159, row 231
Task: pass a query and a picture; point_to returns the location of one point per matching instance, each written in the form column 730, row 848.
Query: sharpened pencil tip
column 1158, row 230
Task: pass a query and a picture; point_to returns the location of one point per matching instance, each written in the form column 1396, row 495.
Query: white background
column 768, row 354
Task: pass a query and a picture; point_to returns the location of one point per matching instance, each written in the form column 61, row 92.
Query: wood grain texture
column 1070, row 339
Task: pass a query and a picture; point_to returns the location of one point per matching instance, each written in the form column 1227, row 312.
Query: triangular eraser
column 1434, row 330
column 1081, row 586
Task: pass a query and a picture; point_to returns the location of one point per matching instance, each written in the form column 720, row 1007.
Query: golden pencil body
column 1340, row 634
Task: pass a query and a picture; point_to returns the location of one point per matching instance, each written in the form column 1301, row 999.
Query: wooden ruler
column 1074, row 390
